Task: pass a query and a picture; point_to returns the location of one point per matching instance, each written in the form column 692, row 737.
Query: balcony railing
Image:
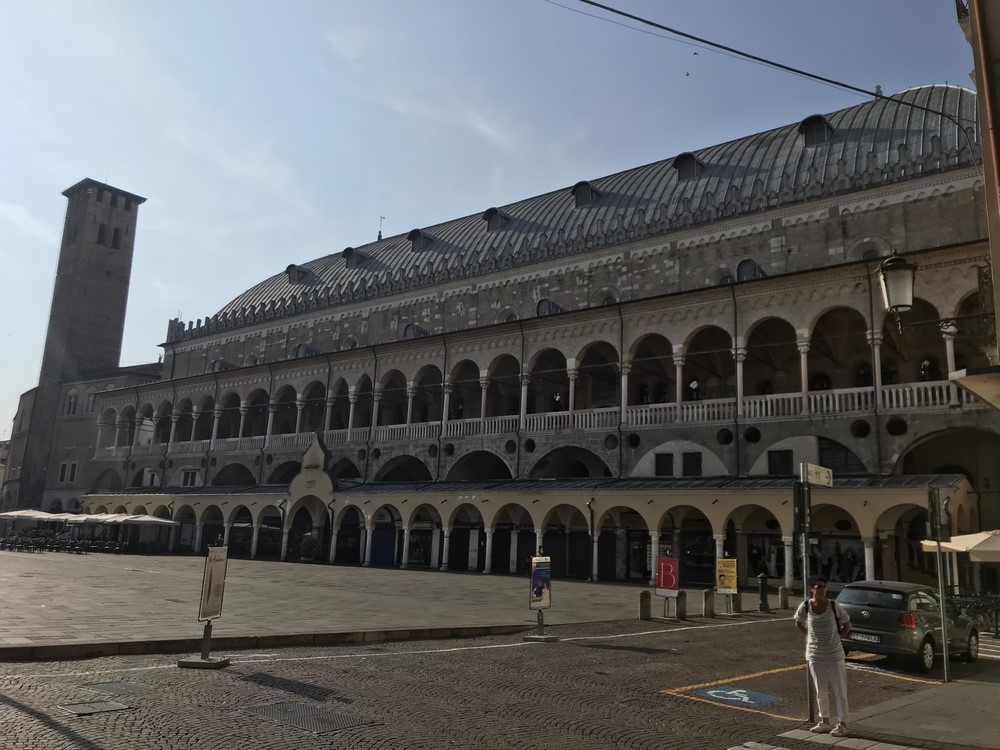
column 907, row 397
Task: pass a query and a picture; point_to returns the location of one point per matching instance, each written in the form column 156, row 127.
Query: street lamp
column 896, row 277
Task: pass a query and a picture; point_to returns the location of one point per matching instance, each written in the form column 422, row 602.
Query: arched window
column 820, row 381
column 863, row 375
column 930, row 369
column 116, row 239
column 102, row 234
column 694, row 390
column 725, row 280
column 815, row 130
column 584, row 194
column 91, row 401
column 69, row 407
column 414, row 331
column 547, row 307
column 748, row 270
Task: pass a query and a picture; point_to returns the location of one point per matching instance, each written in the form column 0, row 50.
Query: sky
column 264, row 133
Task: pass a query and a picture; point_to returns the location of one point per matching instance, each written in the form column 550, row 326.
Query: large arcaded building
column 629, row 366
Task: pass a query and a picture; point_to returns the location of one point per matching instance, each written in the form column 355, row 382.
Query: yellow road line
column 735, row 708
column 735, row 679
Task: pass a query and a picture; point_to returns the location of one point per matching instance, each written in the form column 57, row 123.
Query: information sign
column 818, row 475
column 213, row 584
column 540, row 593
column 667, row 576
column 725, row 571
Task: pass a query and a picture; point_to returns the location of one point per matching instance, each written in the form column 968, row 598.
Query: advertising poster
column 540, row 595
column 725, row 571
column 667, row 577
column 213, row 585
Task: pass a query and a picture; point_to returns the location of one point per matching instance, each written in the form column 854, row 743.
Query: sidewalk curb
column 93, row 649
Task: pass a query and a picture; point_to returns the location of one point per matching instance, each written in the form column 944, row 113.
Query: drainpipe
column 736, row 416
column 444, row 416
column 521, row 407
column 876, row 366
column 623, row 396
column 374, row 418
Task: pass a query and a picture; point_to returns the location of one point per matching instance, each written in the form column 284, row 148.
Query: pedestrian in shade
column 824, row 622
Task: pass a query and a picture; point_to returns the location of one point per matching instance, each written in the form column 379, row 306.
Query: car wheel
column 923, row 660
column 971, row 652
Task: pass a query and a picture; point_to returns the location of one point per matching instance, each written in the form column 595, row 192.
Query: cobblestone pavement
column 623, row 684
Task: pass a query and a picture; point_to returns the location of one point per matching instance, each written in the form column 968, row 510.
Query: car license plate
column 866, row 637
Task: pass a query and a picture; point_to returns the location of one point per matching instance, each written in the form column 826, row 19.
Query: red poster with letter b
column 667, row 576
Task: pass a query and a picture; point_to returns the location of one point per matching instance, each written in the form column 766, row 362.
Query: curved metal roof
column 886, row 140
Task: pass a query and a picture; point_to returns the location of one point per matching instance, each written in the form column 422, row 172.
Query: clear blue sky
column 265, row 134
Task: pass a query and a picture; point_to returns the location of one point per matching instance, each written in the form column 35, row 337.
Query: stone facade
column 633, row 366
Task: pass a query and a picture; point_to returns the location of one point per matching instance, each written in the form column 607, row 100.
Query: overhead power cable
column 708, row 43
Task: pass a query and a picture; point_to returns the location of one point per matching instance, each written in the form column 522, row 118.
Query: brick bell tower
column 87, row 316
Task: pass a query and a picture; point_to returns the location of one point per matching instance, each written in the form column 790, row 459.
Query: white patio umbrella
column 983, row 546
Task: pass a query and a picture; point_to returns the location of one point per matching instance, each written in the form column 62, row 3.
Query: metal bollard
column 681, row 603
column 762, row 581
column 645, row 605
column 708, row 603
column 782, row 597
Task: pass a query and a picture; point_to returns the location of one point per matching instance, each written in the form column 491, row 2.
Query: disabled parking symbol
column 737, row 697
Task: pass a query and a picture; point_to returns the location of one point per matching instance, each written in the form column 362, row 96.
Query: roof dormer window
column 584, row 194
column 296, row 274
column 688, row 166
column 418, row 240
column 495, row 219
column 414, row 331
column 815, row 131
column 352, row 258
column 547, row 307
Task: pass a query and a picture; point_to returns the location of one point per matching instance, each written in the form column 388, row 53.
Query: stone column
column 411, row 391
column 362, row 543
column 135, row 437
column 654, row 551
column 352, row 399
column 284, row 543
column 446, row 404
column 484, row 389
column 253, row 542
column 488, row 565
column 174, row 419
column 195, row 413
column 473, row 549
column 272, row 408
column 376, row 402
column 522, row 415
column 244, row 409
column 216, row 416
column 100, row 433
column 571, row 374
column 626, row 368
column 436, row 548
column 948, row 332
column 593, row 560
column 679, row 383
column 869, row 557
column 172, row 539
column 788, row 542
column 369, row 528
column 720, row 541
column 334, row 529
column 198, row 529
column 512, row 552
column 875, row 341
column 539, row 540
column 327, row 413
column 225, row 534
column 740, row 355
column 803, row 347
column 621, row 550
column 406, row 547
column 445, row 547
column 300, row 404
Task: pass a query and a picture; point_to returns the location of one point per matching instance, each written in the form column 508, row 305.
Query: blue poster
column 540, row 595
